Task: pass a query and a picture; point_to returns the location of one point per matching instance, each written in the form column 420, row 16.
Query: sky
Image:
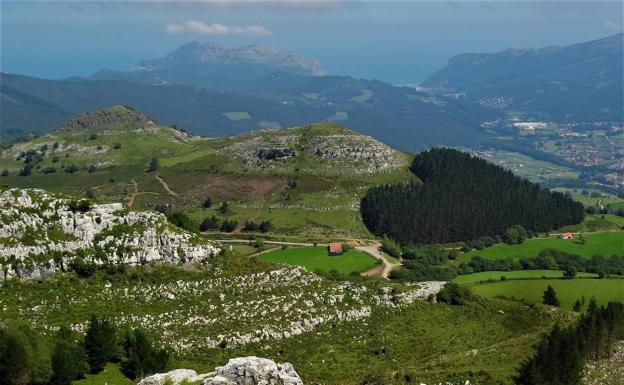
column 401, row 42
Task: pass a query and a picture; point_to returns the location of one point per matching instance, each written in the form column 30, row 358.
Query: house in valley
column 334, row 248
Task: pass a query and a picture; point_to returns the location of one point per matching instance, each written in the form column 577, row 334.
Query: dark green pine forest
column 463, row 197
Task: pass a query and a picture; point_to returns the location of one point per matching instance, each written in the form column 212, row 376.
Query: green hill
column 305, row 180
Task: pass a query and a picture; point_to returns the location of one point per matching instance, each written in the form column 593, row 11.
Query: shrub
column 550, row 297
column 141, row 356
column 454, row 294
column 228, row 225
column 101, row 343
column 207, row 203
column 211, row 223
column 265, row 226
column 182, row 220
column 390, row 247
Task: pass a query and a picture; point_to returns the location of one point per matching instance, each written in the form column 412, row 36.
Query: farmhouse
column 567, row 235
column 335, row 248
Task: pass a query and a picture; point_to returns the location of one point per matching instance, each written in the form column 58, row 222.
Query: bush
column 207, row 203
column 82, row 206
column 153, row 166
column 182, row 220
column 69, row 359
column 550, row 297
column 250, row 226
column 454, row 294
column 228, row 225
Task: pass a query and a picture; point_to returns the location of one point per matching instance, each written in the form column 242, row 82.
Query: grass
column 316, row 258
column 111, row 375
column 602, row 243
column 522, row 274
column 568, row 291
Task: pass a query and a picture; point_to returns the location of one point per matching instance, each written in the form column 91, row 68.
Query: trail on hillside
column 165, row 186
column 134, row 194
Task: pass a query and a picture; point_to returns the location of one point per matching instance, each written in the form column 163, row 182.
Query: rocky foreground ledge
column 238, row 371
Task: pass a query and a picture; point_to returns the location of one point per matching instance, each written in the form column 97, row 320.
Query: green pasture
column 602, row 243
column 317, row 258
column 568, row 290
column 519, row 274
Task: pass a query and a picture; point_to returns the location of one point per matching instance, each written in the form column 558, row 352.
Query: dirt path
column 134, row 194
column 165, row 186
column 375, row 252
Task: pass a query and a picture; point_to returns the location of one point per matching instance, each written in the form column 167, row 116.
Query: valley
column 200, row 205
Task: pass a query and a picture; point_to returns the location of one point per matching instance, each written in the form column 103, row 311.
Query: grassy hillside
column 307, row 181
column 332, row 332
column 601, row 243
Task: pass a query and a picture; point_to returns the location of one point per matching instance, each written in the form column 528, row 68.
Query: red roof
column 568, row 234
column 335, row 247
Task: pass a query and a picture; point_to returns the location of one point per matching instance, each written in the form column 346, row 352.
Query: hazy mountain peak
column 210, row 53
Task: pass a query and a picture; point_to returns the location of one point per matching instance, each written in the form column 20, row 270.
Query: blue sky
column 399, row 42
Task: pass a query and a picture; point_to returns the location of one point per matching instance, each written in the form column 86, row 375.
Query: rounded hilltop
column 323, row 147
column 115, row 116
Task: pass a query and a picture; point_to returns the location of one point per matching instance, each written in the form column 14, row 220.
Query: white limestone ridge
column 41, row 233
column 238, row 371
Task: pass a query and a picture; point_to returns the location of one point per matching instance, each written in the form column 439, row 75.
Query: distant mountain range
column 217, row 91
column 578, row 82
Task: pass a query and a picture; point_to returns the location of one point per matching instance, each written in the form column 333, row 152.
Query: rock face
column 41, row 233
column 238, row 371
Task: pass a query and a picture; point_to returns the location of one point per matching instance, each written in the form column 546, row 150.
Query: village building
column 335, row 248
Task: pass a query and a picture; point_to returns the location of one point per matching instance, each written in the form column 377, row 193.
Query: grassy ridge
column 568, row 291
column 316, row 258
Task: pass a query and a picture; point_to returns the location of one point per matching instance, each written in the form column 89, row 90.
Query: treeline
column 561, row 355
column 463, row 198
column 549, row 259
column 430, row 262
column 27, row 358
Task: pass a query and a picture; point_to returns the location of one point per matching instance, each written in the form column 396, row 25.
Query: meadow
column 316, row 258
column 568, row 290
column 601, row 243
column 520, row 274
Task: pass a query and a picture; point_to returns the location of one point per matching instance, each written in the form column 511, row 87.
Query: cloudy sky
column 396, row 41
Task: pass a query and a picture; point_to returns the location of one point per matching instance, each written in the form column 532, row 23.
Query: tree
column 569, row 272
column 265, row 226
column 454, row 294
column 69, row 359
column 211, row 223
column 141, row 357
column 228, row 225
column 5, row 172
column 390, row 247
column 250, row 226
column 23, row 357
column 26, row 171
column 577, row 305
column 207, row 203
column 515, row 234
column 550, row 297
column 101, row 343
column 183, row 221
column 14, row 361
column 154, row 166
column 225, row 208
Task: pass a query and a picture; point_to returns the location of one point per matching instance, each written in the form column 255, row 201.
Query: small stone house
column 335, row 248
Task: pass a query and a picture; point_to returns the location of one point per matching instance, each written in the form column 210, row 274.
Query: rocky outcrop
column 41, row 233
column 338, row 151
column 238, row 371
column 115, row 116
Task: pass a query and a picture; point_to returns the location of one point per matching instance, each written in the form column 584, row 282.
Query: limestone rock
column 238, row 371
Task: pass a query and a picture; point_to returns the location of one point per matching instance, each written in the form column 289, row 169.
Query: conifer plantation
column 463, row 197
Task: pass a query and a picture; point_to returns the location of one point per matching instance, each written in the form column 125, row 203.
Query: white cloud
column 612, row 26
column 195, row 26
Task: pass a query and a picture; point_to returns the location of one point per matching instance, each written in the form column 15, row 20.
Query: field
column 316, row 258
column 603, row 243
column 111, row 375
column 522, row 274
column 568, row 291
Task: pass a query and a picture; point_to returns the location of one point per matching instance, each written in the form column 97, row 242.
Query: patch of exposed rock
column 238, row 371
column 343, row 151
column 41, row 233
